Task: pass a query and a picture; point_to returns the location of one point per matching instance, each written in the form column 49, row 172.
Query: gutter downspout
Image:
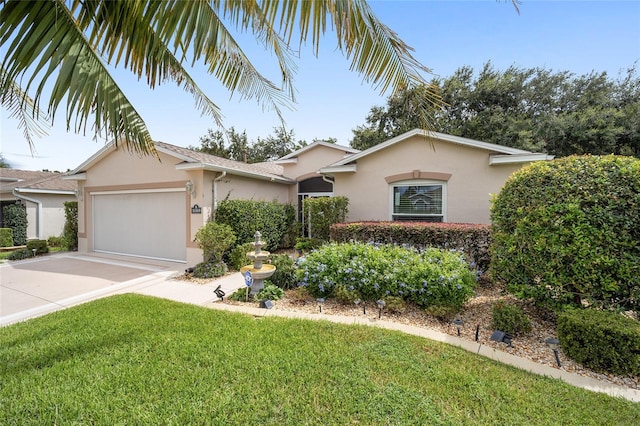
column 215, row 194
column 38, row 211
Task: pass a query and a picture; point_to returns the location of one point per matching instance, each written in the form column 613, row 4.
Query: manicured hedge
column 601, row 340
column 322, row 212
column 473, row 240
column 70, row 232
column 274, row 221
column 15, row 217
column 6, row 237
column 567, row 231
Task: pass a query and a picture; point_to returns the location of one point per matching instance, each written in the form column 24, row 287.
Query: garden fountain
column 259, row 271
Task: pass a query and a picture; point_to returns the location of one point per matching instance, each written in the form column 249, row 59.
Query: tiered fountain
column 259, row 271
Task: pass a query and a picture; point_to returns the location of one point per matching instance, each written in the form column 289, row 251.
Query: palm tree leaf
column 47, row 46
column 31, row 120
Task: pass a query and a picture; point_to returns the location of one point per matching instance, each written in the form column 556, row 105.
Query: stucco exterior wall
column 53, row 217
column 468, row 188
column 121, row 170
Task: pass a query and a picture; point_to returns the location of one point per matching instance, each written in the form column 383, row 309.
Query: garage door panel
column 141, row 224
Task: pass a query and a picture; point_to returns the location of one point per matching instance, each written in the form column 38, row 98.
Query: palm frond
column 47, row 49
column 31, row 120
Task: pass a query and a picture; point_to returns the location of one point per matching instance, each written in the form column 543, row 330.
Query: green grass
column 138, row 360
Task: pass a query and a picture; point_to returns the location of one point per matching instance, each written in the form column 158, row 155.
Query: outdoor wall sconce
column 458, row 323
column 553, row 344
column 380, row 307
column 190, row 189
column 501, row 336
column 320, row 301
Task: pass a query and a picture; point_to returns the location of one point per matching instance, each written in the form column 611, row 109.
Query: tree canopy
column 534, row 109
column 58, row 53
column 236, row 146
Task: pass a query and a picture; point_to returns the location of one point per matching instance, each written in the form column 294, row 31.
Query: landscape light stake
column 553, row 344
column 477, row 332
column 356, row 302
column 320, row 301
column 380, row 307
column 458, row 322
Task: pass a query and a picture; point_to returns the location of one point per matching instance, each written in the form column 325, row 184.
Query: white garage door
column 147, row 224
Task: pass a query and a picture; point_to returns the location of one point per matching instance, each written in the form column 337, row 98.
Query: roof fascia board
column 518, row 158
column 77, row 176
column 44, row 191
column 319, row 143
column 213, row 168
column 352, row 168
column 287, row 161
column 94, row 158
column 174, row 154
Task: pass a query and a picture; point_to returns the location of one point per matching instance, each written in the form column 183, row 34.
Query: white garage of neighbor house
column 152, row 207
column 43, row 194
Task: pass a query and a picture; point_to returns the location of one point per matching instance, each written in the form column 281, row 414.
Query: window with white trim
column 418, row 200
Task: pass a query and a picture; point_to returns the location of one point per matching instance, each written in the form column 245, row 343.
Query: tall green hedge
column 568, row 231
column 323, row 212
column 15, row 217
column 6, row 237
column 274, row 220
column 70, row 232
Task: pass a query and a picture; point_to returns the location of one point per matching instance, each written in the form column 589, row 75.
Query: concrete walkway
column 157, row 283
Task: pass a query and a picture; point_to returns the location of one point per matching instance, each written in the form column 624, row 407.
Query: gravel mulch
column 477, row 311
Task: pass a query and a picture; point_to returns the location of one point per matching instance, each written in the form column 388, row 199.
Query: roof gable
column 492, row 149
column 304, row 149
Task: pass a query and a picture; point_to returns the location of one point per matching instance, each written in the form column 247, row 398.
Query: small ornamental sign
column 196, row 209
column 248, row 278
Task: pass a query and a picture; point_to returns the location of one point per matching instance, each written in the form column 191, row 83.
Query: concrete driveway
column 44, row 284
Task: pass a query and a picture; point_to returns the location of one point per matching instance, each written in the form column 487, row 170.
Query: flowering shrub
column 375, row 271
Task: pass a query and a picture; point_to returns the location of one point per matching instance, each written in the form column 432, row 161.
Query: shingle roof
column 267, row 169
column 34, row 180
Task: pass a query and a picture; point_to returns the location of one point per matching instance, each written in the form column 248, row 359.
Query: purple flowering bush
column 431, row 277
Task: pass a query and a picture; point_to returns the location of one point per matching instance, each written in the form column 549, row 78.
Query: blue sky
column 575, row 36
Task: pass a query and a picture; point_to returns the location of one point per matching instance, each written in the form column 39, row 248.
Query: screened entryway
column 314, row 187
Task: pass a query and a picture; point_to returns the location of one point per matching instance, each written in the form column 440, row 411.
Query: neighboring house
column 152, row 207
column 43, row 194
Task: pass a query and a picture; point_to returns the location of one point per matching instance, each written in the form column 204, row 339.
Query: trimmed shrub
column 568, row 230
column 285, row 273
column 322, row 212
column 306, row 244
column 601, row 340
column 15, row 217
column 40, row 246
column 6, row 237
column 214, row 239
column 430, row 278
column 54, row 241
column 245, row 217
column 270, row 292
column 472, row 240
column 210, row 269
column 237, row 258
column 70, row 231
column 510, row 318
column 20, row 254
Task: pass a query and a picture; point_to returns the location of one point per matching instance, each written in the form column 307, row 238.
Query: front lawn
column 140, row 360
